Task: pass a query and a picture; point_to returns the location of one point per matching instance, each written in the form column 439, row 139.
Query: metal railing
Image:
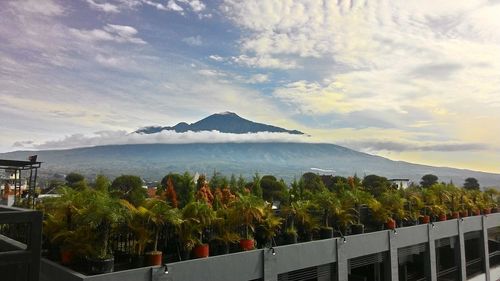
column 20, row 244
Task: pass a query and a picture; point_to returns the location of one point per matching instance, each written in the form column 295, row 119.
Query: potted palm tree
column 354, row 199
column 101, row 213
column 247, row 210
column 225, row 231
column 268, row 227
column 414, row 204
column 437, row 200
column 394, row 203
column 59, row 223
column 137, row 223
column 201, row 216
column 328, row 205
column 159, row 213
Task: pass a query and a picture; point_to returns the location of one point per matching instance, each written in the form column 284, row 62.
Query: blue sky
column 417, row 81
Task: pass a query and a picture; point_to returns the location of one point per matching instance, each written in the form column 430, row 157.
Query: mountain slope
column 226, row 122
column 287, row 160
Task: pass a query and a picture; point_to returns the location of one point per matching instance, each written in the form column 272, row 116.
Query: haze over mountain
column 286, row 160
column 225, row 122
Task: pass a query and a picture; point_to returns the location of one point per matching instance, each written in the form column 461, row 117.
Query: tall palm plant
column 158, row 215
column 248, row 210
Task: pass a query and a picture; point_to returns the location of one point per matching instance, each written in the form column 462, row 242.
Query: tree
column 75, row 181
column 312, row 182
column 428, row 180
column 272, row 189
column 241, row 183
column 233, row 184
column 183, row 184
column 256, row 187
column 376, row 185
column 170, row 194
column 471, row 184
column 129, row 187
column 102, row 183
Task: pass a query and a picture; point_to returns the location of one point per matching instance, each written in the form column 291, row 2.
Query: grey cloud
column 401, row 146
column 436, row 71
column 22, row 143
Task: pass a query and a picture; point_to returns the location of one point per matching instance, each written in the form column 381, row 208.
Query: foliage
column 256, row 185
column 159, row 214
column 248, row 210
column 170, row 194
column 471, row 184
column 101, row 213
column 312, row 182
column 129, row 187
column 183, row 185
column 75, row 180
column 428, row 180
column 102, row 183
column 200, row 216
column 272, row 189
column 376, row 185
column 328, row 204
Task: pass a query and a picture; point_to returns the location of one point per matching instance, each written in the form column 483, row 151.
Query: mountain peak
column 226, row 113
column 224, row 122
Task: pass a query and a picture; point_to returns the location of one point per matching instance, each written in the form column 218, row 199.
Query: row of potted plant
column 79, row 223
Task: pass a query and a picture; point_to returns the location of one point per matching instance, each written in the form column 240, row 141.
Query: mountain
column 286, row 160
column 225, row 122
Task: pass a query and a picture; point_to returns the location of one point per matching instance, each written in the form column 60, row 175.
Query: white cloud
column 174, row 6
column 216, row 58
column 46, row 7
column 258, row 78
column 196, row 5
column 193, row 40
column 168, row 137
column 110, row 32
column 264, row 62
column 105, row 7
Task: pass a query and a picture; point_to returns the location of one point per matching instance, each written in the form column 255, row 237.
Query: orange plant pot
column 464, row 214
column 477, row 212
column 391, row 224
column 426, row 219
column 201, row 251
column 154, row 258
column 487, row 211
column 246, row 244
column 442, row 217
column 455, row 215
column 67, row 257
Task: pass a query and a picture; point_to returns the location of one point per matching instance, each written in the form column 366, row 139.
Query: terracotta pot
column 477, row 212
column 67, row 257
column 246, row 244
column 487, row 211
column 442, row 217
column 154, row 258
column 464, row 214
column 391, row 224
column 426, row 219
column 455, row 215
column 201, row 251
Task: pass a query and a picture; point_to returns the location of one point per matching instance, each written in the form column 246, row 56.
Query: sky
column 413, row 80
